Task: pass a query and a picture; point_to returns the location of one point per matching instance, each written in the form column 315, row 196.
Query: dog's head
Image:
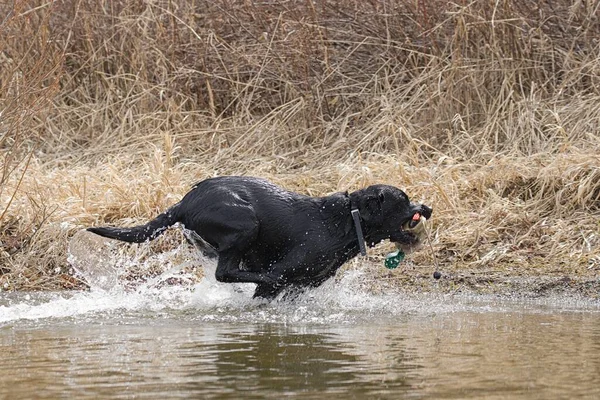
column 387, row 212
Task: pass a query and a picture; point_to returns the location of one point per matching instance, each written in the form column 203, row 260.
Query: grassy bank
column 488, row 111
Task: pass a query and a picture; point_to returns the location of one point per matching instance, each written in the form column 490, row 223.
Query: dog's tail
column 140, row 233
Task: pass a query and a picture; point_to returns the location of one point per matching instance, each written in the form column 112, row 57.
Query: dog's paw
column 271, row 280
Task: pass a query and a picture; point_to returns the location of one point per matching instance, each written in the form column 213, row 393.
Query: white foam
column 336, row 302
column 339, row 301
column 207, row 300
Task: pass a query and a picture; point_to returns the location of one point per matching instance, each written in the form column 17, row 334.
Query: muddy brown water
column 212, row 341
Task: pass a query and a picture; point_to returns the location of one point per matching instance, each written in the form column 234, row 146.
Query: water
column 212, row 340
column 147, row 339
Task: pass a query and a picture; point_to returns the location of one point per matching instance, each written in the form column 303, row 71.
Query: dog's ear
column 371, row 203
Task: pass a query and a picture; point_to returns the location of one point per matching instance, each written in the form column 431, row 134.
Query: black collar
column 359, row 233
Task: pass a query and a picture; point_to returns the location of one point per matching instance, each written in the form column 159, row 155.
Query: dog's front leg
column 228, row 270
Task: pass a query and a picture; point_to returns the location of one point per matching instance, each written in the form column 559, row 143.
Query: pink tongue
column 415, row 220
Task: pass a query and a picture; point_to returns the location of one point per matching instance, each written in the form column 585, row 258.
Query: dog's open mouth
column 414, row 231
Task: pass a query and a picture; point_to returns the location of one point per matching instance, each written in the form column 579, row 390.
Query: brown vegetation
column 489, row 111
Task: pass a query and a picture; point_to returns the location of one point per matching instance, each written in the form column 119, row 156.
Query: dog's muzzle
column 416, row 227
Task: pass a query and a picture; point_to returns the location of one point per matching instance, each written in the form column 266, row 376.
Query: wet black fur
column 275, row 238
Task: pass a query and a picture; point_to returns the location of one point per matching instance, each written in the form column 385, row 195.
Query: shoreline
column 135, row 265
column 514, row 284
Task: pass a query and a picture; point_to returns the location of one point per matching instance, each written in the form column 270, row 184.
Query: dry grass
column 486, row 110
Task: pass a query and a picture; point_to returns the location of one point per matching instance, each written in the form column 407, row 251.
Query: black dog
column 278, row 239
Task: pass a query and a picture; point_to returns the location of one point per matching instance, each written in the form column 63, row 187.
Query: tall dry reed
column 486, row 110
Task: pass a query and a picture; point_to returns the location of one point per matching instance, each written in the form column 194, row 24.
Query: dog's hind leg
column 228, row 270
column 267, row 292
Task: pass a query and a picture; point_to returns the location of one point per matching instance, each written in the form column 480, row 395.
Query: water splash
column 340, row 301
column 343, row 300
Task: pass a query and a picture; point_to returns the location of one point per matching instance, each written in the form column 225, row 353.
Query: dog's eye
column 381, row 197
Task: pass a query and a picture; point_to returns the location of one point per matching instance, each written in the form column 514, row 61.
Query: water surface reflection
column 461, row 354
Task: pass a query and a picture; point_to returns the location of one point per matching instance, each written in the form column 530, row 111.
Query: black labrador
column 278, row 239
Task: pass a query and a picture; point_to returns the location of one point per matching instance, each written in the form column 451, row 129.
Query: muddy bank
column 513, row 283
